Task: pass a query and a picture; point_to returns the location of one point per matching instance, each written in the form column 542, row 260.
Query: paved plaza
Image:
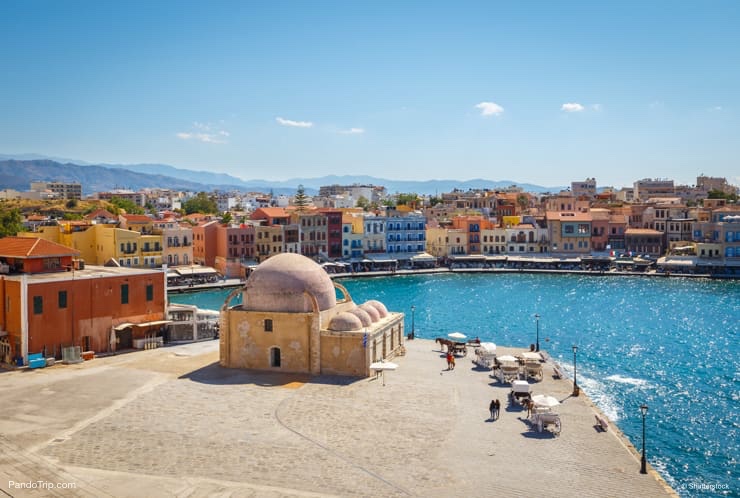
column 172, row 422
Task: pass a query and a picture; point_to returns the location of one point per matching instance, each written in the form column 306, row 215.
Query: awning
column 380, row 258
column 153, row 324
column 123, row 326
column 200, row 270
column 468, row 257
column 423, row 257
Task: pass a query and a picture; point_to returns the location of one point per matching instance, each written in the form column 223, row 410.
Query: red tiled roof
column 100, row 213
column 273, row 212
column 31, row 247
column 136, row 217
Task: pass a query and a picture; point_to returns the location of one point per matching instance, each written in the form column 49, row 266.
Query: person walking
column 492, row 409
column 449, row 360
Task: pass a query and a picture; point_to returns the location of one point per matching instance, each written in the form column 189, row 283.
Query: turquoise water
column 670, row 343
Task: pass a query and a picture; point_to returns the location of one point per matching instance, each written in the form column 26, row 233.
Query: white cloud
column 353, row 131
column 489, row 109
column 295, row 124
column 572, row 107
column 206, row 133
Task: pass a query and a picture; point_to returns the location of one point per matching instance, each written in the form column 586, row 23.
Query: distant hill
column 17, row 174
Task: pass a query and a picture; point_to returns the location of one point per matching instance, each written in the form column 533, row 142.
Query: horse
column 445, row 342
column 529, row 404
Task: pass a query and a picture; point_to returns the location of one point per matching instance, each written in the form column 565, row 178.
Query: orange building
column 51, row 301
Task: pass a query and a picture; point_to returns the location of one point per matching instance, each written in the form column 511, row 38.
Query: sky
column 535, row 92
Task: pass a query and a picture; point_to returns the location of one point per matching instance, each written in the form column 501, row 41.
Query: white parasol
column 381, row 366
column 457, row 335
column 545, row 400
column 506, row 358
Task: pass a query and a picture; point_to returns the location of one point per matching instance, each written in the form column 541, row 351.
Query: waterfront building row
column 569, row 229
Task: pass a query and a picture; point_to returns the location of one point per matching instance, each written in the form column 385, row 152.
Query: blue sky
column 539, row 92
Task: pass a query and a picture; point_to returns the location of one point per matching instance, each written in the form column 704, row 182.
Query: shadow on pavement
column 215, row 374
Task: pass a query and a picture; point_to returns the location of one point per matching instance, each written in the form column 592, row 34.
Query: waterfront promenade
column 171, row 422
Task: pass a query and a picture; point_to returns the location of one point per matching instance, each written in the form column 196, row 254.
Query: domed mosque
column 292, row 320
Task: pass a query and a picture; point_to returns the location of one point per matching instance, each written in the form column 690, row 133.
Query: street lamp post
column 537, row 319
column 576, row 390
column 413, row 329
column 643, row 461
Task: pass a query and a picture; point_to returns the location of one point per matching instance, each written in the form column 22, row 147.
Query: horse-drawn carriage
column 533, row 369
column 459, row 349
column 544, row 419
column 485, row 355
column 508, row 369
column 454, row 347
column 542, row 415
column 520, row 392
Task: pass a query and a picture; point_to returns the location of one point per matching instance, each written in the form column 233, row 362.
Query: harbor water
column 669, row 343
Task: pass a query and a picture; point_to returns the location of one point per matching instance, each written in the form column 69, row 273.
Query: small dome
column 362, row 315
column 382, row 310
column 345, row 321
column 280, row 283
column 374, row 315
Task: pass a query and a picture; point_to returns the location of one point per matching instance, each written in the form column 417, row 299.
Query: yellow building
column 98, row 244
column 292, row 320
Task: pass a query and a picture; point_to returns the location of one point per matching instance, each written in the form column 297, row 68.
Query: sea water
column 669, row 343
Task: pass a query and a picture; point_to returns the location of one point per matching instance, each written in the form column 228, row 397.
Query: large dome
column 278, row 284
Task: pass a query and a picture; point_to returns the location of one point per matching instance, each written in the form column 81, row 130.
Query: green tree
column 226, row 218
column 523, row 202
column 407, row 200
column 301, row 200
column 71, row 204
column 201, row 203
column 129, row 206
column 363, row 203
column 11, row 222
column 718, row 194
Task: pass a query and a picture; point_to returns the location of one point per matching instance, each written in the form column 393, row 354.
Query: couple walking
column 494, row 408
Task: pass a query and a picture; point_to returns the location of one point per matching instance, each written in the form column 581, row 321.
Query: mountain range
column 18, row 171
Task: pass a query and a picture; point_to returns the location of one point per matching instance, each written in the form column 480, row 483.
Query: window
column 38, row 305
column 62, row 299
column 124, row 293
column 150, row 292
column 268, row 324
